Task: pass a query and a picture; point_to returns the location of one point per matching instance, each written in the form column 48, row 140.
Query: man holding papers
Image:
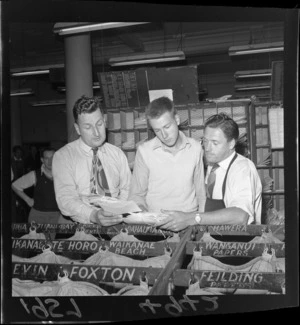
column 89, row 166
column 168, row 170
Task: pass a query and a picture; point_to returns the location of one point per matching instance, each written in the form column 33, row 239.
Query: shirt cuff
column 84, row 216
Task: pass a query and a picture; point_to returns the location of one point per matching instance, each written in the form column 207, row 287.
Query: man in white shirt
column 168, row 169
column 233, row 186
column 73, row 167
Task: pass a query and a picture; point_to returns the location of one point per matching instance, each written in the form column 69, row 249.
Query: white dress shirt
column 71, row 170
column 243, row 186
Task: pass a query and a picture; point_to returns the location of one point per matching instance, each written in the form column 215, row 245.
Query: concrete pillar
column 78, row 74
column 15, row 124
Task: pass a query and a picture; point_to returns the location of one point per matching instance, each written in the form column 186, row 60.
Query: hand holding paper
column 113, row 205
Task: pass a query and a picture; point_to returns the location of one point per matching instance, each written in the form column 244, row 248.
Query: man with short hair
column 168, row 170
column 19, row 209
column 89, row 165
column 17, row 162
column 43, row 205
column 233, row 185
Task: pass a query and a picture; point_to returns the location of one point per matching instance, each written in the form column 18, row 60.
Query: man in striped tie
column 89, row 165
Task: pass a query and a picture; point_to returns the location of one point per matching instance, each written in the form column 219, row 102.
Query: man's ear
column 232, row 144
column 77, row 128
column 177, row 119
column 105, row 119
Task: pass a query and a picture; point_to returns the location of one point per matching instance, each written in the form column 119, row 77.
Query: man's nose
column 164, row 134
column 96, row 131
column 207, row 146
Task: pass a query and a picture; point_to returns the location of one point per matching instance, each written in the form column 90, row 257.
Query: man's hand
column 105, row 218
column 176, row 220
column 143, row 208
column 30, row 202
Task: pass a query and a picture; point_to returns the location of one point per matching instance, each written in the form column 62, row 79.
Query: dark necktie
column 98, row 182
column 211, row 181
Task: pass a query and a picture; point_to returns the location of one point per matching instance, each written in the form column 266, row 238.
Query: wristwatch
column 198, row 218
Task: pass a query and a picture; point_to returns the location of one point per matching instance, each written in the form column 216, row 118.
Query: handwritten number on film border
column 41, row 311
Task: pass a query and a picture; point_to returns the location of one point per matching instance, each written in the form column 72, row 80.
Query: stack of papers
column 134, row 215
column 113, row 205
column 148, row 218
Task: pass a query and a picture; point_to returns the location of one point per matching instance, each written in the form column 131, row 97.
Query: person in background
column 33, row 160
column 17, row 162
column 89, row 165
column 19, row 210
column 233, row 186
column 168, row 169
column 43, row 205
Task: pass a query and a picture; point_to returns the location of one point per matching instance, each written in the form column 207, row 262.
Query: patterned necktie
column 211, row 181
column 98, row 182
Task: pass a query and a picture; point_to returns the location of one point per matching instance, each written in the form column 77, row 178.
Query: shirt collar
column 88, row 149
column 184, row 142
column 44, row 171
column 225, row 163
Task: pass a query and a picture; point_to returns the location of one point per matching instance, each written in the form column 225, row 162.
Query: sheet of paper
column 153, row 94
column 113, row 205
column 276, row 127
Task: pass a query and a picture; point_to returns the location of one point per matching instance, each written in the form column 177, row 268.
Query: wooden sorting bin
column 154, row 244
column 172, row 279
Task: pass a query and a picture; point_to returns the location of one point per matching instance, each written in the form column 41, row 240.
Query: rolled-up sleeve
column 139, row 180
column 124, row 176
column 67, row 197
column 242, row 188
column 25, row 181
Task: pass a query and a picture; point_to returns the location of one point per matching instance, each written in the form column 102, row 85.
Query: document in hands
column 148, row 218
column 113, row 205
column 134, row 215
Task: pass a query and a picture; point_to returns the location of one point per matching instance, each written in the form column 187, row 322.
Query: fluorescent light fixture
column 33, row 70
column 21, row 92
column 75, row 28
column 256, row 48
column 253, row 88
column 29, row 73
column 253, row 74
column 147, row 58
column 49, row 103
column 95, row 86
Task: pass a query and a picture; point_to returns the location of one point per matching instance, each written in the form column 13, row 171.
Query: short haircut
column 225, row 123
column 86, row 105
column 159, row 106
column 43, row 150
column 16, row 148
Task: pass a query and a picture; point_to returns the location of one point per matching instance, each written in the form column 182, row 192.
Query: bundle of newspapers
column 130, row 211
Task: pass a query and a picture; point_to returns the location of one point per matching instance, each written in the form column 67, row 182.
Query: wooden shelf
column 141, row 129
column 114, row 130
column 269, row 167
column 278, row 192
column 258, row 146
column 262, row 126
column 163, row 280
